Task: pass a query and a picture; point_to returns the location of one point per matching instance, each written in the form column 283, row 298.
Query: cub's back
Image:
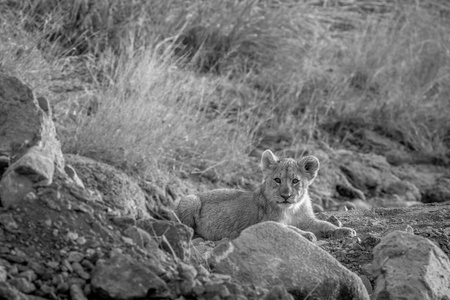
column 218, row 213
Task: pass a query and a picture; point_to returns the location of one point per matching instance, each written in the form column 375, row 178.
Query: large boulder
column 28, row 140
column 410, row 267
column 269, row 254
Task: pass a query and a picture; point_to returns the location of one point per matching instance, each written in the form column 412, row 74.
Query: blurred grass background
column 159, row 88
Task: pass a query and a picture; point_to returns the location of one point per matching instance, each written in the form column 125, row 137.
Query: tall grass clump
column 190, row 85
column 152, row 117
column 395, row 70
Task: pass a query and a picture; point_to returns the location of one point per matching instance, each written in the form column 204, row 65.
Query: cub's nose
column 285, row 196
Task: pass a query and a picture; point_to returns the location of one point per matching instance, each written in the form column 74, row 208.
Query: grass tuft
column 194, row 86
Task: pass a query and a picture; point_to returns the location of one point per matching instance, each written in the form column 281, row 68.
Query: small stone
column 216, row 277
column 370, row 241
column 76, row 293
column 76, row 280
column 3, row 273
column 198, row 289
column 18, row 259
column 57, row 279
column 75, row 256
column 8, row 222
column 46, row 289
column 53, row 264
column 343, row 208
column 90, row 252
column 78, row 268
column 128, row 240
column 278, row 292
column 197, row 241
column 409, row 229
column 87, row 289
column 30, row 275
column 187, row 272
column 124, row 222
column 62, row 287
column 356, row 246
column 81, row 240
column 115, row 251
column 48, row 275
column 186, row 287
column 87, row 265
column 72, row 236
column 30, row 196
column 66, row 266
column 23, row 285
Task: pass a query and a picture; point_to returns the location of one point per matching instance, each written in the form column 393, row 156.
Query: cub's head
column 286, row 180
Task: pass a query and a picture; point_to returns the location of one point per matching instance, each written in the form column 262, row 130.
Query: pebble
column 30, row 275
column 66, row 266
column 87, row 265
column 62, row 287
column 23, row 285
column 57, row 279
column 8, row 222
column 75, row 256
column 72, row 236
column 81, row 240
column 53, row 264
column 14, row 258
column 76, row 293
column 3, row 273
column 78, row 268
column 187, row 272
column 47, row 290
column 36, row 267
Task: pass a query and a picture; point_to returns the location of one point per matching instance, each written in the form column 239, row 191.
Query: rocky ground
column 74, row 228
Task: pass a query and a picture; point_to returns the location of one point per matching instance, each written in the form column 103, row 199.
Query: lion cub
column 282, row 197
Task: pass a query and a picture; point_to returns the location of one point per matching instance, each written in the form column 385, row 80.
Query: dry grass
column 154, row 116
column 242, row 68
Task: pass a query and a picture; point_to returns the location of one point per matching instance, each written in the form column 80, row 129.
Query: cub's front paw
column 343, row 232
column 310, row 236
column 307, row 234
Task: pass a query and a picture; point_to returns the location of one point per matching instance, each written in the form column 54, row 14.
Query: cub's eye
column 295, row 181
column 277, row 180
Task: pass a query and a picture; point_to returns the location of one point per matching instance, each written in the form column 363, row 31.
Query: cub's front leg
column 326, row 229
column 307, row 234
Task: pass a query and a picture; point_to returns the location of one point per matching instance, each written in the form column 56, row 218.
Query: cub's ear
column 268, row 160
column 310, row 165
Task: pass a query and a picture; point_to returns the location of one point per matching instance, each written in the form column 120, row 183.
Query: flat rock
column 122, row 277
column 269, row 254
column 410, row 267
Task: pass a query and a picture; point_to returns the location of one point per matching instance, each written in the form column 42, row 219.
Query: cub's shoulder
column 221, row 195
